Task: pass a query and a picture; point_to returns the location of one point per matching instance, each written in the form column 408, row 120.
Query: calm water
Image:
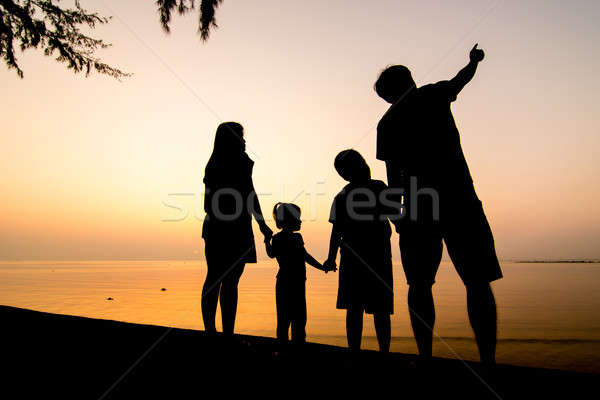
column 548, row 313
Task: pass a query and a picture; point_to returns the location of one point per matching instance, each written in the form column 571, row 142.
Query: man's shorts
column 463, row 226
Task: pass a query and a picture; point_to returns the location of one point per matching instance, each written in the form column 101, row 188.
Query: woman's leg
column 384, row 331
column 422, row 316
column 229, row 298
column 210, row 297
column 354, row 327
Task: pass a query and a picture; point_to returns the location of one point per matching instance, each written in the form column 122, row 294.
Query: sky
column 95, row 168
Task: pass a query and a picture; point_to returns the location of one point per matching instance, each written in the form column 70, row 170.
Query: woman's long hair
column 229, row 140
column 228, row 157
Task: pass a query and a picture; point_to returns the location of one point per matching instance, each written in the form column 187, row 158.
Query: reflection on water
column 548, row 313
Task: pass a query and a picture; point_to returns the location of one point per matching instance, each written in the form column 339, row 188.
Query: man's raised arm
column 465, row 75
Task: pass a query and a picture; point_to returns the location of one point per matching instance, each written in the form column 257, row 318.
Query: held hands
column 329, row 265
column 266, row 231
column 476, row 55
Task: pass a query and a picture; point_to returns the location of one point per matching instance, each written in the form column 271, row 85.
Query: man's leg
column 470, row 244
column 421, row 250
column 283, row 328
column 482, row 315
column 422, row 316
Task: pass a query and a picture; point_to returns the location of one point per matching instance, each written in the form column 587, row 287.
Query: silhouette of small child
column 362, row 232
column 287, row 247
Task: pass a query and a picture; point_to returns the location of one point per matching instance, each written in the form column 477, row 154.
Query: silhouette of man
column 420, row 144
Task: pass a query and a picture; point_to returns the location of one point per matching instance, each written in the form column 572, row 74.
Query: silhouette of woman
column 230, row 202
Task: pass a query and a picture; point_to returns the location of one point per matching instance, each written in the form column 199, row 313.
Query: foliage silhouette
column 206, row 19
column 45, row 25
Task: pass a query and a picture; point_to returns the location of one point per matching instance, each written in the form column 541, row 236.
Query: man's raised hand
column 476, row 54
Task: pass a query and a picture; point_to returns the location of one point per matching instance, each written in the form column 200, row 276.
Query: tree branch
column 41, row 23
column 206, row 14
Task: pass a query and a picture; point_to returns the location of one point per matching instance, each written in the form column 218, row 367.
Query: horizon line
column 515, row 260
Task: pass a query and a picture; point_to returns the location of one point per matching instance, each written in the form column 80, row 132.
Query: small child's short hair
column 285, row 214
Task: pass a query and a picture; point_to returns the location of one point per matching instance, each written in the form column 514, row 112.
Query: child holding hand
column 361, row 231
column 287, row 247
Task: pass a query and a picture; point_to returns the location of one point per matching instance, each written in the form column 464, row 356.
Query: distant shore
column 67, row 356
column 557, row 261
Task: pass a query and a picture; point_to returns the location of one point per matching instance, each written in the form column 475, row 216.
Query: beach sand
column 58, row 356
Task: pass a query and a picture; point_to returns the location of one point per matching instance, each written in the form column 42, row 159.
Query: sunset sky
column 89, row 164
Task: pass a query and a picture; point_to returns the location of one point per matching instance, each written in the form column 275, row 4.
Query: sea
column 548, row 313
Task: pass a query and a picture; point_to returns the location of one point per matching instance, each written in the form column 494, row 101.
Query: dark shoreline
column 58, row 356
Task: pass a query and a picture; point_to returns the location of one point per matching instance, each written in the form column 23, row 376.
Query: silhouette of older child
column 362, row 233
column 287, row 247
